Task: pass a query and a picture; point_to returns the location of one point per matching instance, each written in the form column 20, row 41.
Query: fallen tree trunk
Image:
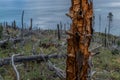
column 12, row 40
column 41, row 57
column 3, row 42
column 7, row 61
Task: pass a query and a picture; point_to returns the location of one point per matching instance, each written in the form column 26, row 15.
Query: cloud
column 111, row 4
column 98, row 9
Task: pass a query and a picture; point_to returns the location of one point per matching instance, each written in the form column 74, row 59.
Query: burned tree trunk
column 59, row 36
column 105, row 42
column 41, row 57
column 31, row 23
column 80, row 34
column 14, row 25
column 22, row 18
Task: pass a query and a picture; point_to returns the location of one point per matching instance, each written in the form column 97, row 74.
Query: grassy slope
column 106, row 65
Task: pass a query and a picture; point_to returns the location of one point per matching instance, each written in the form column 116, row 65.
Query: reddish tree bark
column 81, row 13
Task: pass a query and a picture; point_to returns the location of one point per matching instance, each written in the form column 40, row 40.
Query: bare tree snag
column 105, row 41
column 22, row 19
column 14, row 24
column 22, row 22
column 59, row 36
column 80, row 34
column 31, row 24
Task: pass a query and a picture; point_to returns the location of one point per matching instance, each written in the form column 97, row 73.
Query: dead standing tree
column 59, row 36
column 31, row 24
column 22, row 22
column 80, row 34
column 110, row 19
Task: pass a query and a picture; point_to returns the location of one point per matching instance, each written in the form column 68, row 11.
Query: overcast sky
column 103, row 7
column 44, row 10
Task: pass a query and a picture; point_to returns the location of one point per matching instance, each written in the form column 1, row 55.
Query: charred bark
column 31, row 24
column 22, row 22
column 59, row 36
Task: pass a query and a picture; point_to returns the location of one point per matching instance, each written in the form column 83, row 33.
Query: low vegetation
column 106, row 65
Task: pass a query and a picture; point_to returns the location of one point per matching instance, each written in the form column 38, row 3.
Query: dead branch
column 14, row 66
column 1, row 78
column 93, row 50
column 60, row 73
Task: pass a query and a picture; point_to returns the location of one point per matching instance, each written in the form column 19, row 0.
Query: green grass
column 106, row 65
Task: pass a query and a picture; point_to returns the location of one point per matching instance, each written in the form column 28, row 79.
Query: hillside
column 106, row 61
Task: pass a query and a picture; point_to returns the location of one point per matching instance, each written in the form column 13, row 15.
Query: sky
column 102, row 8
column 46, row 14
column 50, row 12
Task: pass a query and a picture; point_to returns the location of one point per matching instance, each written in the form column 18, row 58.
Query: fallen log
column 4, row 43
column 41, row 57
